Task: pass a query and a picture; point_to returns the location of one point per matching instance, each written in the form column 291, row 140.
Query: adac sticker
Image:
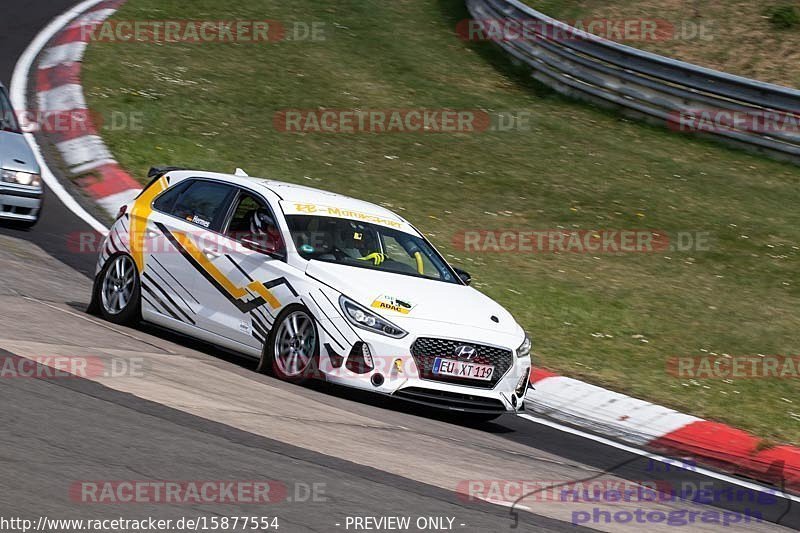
column 391, row 303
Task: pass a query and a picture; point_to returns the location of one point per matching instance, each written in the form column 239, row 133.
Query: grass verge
column 613, row 320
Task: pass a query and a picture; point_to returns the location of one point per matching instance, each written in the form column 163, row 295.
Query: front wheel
column 291, row 351
column 119, row 291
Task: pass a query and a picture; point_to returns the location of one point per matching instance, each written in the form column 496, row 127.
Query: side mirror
column 464, row 275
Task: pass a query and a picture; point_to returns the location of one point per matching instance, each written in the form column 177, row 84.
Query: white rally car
column 312, row 284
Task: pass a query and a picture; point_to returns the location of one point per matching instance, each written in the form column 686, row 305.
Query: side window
column 253, row 225
column 202, row 202
column 166, row 201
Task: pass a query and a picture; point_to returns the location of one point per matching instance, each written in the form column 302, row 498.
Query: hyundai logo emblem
column 465, row 352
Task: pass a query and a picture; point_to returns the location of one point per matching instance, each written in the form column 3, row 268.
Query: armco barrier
column 639, row 83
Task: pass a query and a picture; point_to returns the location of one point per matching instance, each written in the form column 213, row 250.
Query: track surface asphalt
column 191, row 413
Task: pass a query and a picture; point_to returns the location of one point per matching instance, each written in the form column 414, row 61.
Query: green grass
column 211, row 106
column 783, row 16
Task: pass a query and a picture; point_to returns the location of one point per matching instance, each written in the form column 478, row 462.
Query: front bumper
column 20, row 203
column 395, row 372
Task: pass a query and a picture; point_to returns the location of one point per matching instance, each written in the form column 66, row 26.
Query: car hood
column 410, row 301
column 15, row 154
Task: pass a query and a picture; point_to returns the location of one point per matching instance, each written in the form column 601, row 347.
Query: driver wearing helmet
column 360, row 242
column 264, row 232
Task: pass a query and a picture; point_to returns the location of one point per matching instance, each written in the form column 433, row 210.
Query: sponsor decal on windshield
column 299, row 208
column 393, row 304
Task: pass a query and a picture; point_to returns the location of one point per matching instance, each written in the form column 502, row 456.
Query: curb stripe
column 19, row 98
column 71, row 52
column 655, row 427
column 85, row 153
column 59, row 90
column 113, row 182
column 61, row 98
column 47, row 78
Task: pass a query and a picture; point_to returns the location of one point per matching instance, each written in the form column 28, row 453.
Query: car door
column 175, row 241
column 249, row 262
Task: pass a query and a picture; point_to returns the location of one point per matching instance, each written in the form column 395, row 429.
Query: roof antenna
column 240, row 172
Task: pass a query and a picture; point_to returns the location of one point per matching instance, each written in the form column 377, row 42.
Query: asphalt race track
column 182, row 411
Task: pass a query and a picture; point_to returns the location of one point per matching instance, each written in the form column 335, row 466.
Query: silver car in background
column 20, row 177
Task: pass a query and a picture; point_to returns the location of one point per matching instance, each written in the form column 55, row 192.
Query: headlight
column 22, row 178
column 524, row 349
column 363, row 318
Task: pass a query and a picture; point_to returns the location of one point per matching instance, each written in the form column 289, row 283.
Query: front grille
column 452, row 400
column 425, row 350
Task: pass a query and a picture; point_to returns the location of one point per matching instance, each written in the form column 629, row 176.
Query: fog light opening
column 359, row 360
column 377, row 379
column 522, row 386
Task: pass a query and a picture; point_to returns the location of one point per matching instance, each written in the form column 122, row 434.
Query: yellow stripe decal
column 140, row 213
column 228, row 285
column 264, row 292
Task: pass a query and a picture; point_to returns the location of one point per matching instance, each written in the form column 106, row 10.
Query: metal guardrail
column 643, row 84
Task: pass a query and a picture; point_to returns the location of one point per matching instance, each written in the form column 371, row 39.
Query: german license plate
column 462, row 369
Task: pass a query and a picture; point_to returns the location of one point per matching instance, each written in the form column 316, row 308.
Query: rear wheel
column 292, row 348
column 119, row 291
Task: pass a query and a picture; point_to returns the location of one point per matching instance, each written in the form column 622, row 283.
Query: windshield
column 8, row 119
column 361, row 244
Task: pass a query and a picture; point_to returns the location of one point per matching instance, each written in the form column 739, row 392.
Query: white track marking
column 18, row 93
column 95, row 17
column 661, row 458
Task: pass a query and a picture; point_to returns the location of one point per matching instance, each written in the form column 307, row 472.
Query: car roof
column 293, row 193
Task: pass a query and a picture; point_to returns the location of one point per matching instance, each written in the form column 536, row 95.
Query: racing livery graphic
column 312, row 284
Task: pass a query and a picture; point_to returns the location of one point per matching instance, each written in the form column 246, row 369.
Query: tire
column 285, row 348
column 118, row 291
